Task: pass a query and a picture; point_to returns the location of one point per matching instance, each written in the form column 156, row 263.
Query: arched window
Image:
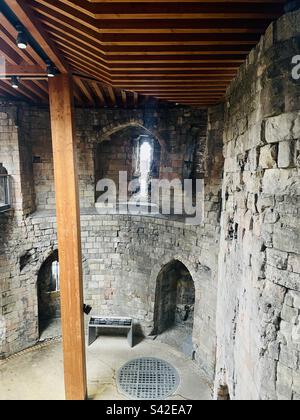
column 145, row 167
column 5, row 202
column 146, row 164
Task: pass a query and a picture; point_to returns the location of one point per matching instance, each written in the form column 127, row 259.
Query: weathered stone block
column 289, row 314
column 280, row 182
column 277, row 259
column 293, row 299
column 286, row 154
column 283, row 278
column 268, row 156
column 284, row 382
column 296, row 382
column 294, row 263
column 284, row 127
column 289, row 357
column 287, row 239
column 296, row 332
column 271, row 216
column 265, row 201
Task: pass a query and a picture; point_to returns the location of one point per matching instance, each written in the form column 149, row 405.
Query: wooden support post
column 69, row 238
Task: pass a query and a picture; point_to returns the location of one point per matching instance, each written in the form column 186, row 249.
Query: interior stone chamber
column 238, row 272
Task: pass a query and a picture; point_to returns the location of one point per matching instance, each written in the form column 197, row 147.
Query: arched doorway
column 174, row 306
column 48, row 290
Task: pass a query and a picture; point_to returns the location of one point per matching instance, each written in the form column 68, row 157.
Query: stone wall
column 16, row 306
column 181, row 133
column 259, row 282
column 123, row 255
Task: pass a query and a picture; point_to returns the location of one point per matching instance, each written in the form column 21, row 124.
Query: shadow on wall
column 48, row 290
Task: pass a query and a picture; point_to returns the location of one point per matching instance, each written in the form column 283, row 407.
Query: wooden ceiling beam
column 207, row 24
column 28, row 20
column 7, row 48
column 186, row 1
column 179, row 90
column 99, row 93
column 153, row 10
column 43, row 85
column 105, row 63
column 111, row 95
column 5, row 90
column 170, row 36
column 73, row 43
column 185, row 52
column 180, row 83
column 165, row 74
column 54, row 23
column 85, row 66
column 78, row 95
column 23, row 90
column 85, row 89
column 187, row 16
column 174, row 60
column 9, row 34
column 124, row 98
column 35, row 89
column 22, row 70
column 50, row 7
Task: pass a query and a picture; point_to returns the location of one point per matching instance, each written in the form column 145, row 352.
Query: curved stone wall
column 123, row 256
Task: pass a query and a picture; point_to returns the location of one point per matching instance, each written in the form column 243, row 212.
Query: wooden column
column 69, row 239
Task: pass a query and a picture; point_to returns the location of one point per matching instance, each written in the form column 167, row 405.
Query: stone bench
column 97, row 324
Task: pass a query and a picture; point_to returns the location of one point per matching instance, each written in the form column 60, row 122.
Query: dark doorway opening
column 48, row 289
column 174, row 307
column 223, row 393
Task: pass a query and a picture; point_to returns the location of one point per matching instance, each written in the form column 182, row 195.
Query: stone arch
column 42, row 260
column 48, row 293
column 192, row 268
column 3, row 170
column 173, row 309
column 111, row 129
column 119, row 149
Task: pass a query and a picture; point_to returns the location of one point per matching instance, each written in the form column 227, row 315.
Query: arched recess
column 48, row 291
column 119, row 150
column 174, row 305
column 107, row 132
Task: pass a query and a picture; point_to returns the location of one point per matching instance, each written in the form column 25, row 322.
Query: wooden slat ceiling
column 185, row 52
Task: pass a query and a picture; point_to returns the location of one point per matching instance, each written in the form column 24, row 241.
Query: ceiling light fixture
column 22, row 41
column 15, row 83
column 51, row 70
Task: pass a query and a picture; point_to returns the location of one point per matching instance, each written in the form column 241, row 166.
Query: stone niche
column 175, row 298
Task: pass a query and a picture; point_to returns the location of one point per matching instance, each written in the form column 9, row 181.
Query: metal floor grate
column 148, row 379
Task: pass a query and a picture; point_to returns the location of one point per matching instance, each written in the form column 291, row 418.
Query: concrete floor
column 51, row 330
column 38, row 374
column 180, row 338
